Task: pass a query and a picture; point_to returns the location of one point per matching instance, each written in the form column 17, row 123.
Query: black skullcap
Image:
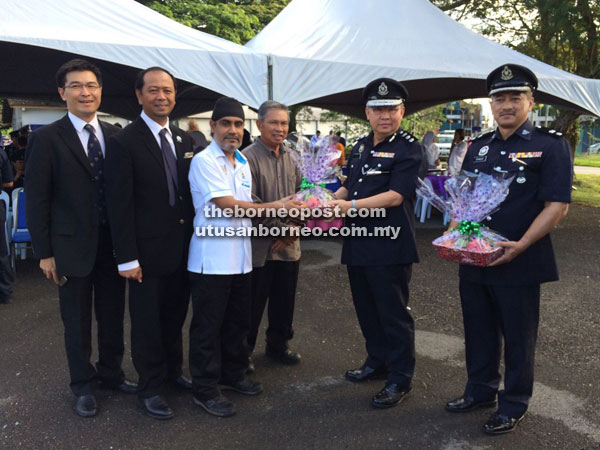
column 384, row 92
column 511, row 77
column 227, row 106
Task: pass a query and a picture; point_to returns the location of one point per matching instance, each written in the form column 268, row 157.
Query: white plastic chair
column 425, row 210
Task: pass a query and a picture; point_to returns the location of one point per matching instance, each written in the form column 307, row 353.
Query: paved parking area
column 311, row 406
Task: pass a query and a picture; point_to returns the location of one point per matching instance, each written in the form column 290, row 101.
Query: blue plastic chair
column 21, row 239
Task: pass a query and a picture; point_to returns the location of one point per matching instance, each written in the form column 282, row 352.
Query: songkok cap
column 227, row 106
column 511, row 77
column 384, row 92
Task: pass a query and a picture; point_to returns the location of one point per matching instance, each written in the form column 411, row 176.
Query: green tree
column 356, row 127
column 428, row 119
column 236, row 21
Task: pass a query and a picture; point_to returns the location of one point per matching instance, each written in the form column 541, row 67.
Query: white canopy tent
column 323, row 52
column 122, row 36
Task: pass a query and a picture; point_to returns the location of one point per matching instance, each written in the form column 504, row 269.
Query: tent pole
column 270, row 77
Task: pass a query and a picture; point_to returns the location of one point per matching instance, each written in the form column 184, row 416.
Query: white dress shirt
column 84, row 135
column 156, row 128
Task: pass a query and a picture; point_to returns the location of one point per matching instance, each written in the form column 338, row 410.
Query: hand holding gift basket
column 471, row 199
column 318, row 166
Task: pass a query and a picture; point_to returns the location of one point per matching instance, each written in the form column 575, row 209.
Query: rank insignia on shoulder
column 549, row 131
column 484, row 135
column 406, row 135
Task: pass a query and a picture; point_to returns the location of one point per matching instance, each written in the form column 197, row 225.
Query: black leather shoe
column 500, row 424
column 389, row 396
column 182, row 382
column 218, row 406
column 155, row 407
column 467, row 403
column 245, row 386
column 365, row 373
column 126, row 386
column 85, row 405
column 250, row 369
column 287, row 357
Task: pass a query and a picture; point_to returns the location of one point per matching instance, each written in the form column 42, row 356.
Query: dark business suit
column 148, row 229
column 64, row 222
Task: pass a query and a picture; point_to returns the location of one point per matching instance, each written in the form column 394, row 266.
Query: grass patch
column 588, row 190
column 586, row 159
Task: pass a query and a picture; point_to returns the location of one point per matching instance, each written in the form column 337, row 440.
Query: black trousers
column 275, row 281
column 489, row 313
column 106, row 290
column 380, row 295
column 219, row 330
column 158, row 307
column 7, row 274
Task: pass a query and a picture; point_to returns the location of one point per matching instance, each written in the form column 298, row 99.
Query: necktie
column 94, row 152
column 170, row 165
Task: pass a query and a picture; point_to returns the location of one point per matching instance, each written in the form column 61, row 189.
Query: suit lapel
column 180, row 151
column 150, row 141
column 69, row 136
column 107, row 131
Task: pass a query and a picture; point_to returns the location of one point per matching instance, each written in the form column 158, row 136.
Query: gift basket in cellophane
column 317, row 162
column 471, row 199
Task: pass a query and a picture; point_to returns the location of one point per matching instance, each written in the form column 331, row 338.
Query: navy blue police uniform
column 7, row 274
column 503, row 301
column 379, row 268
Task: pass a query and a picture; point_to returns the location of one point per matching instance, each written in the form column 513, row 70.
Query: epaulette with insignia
column 483, row 136
column 549, row 131
column 406, row 135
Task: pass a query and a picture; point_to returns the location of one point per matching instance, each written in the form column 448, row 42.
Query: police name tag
column 187, row 155
column 523, row 155
column 383, row 155
column 480, row 159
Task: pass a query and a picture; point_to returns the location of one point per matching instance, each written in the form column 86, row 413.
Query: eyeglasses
column 78, row 87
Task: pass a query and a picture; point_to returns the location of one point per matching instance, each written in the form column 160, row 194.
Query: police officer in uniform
column 503, row 300
column 7, row 274
column 382, row 173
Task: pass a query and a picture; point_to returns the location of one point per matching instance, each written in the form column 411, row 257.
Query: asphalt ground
column 311, row 406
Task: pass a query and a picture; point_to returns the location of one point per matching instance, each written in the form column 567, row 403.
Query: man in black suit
column 66, row 216
column 150, row 210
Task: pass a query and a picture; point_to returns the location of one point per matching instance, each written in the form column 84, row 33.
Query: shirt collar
column 524, row 131
column 155, row 127
column 218, row 152
column 79, row 123
column 282, row 148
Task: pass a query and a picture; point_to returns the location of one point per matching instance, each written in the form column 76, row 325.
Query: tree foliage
column 421, row 122
column 237, row 21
